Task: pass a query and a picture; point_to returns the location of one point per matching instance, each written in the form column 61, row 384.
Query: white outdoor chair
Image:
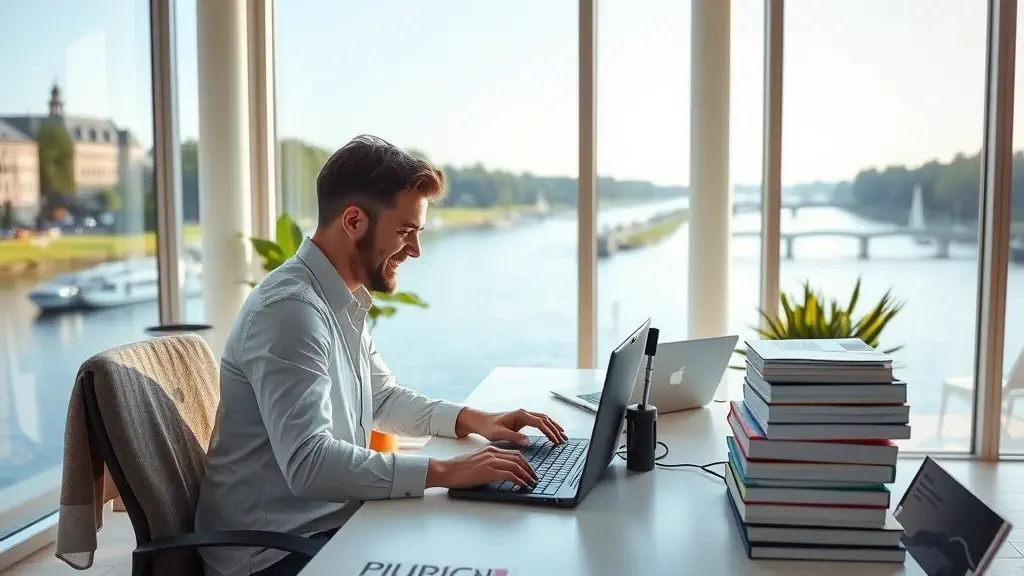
column 963, row 386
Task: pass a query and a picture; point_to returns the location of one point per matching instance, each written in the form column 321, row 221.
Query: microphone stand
column 642, row 418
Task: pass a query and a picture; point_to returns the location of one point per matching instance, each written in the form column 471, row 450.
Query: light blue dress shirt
column 302, row 385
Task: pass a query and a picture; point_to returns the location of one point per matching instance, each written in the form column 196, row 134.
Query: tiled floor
column 1000, row 485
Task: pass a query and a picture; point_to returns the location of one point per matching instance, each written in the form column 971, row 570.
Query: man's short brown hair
column 370, row 172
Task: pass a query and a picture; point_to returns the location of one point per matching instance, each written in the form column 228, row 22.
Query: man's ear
column 355, row 222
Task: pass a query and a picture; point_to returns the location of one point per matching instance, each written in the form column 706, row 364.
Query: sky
column 866, row 82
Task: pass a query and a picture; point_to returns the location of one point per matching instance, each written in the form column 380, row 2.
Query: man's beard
column 376, row 277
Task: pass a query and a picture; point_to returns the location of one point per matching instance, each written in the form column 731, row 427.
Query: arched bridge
column 793, row 206
column 941, row 239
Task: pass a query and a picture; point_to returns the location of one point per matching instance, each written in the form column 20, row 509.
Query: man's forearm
column 467, row 422
column 403, row 411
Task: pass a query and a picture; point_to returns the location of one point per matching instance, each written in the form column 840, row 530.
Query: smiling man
column 302, row 384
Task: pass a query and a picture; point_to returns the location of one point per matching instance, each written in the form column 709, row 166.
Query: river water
column 508, row 297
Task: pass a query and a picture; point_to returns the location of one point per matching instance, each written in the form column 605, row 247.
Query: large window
column 643, row 118
column 644, row 168
column 882, row 127
column 1012, row 440
column 77, row 217
column 487, row 92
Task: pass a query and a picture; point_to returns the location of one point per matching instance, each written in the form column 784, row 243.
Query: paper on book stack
column 812, row 452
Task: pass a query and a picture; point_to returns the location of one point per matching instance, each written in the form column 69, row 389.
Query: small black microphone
column 650, row 350
column 642, row 419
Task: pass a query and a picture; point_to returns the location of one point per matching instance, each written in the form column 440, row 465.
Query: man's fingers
column 549, row 419
column 516, row 458
column 554, row 426
column 524, row 476
column 510, row 436
column 550, row 428
column 510, row 476
column 547, row 427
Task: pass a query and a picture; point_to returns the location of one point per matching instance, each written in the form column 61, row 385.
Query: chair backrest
column 151, row 406
column 1015, row 377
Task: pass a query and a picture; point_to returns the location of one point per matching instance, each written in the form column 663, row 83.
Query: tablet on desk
column 946, row 529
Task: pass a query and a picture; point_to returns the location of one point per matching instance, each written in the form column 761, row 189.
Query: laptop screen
column 611, row 413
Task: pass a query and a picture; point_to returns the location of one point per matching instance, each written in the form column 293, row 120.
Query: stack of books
column 812, row 452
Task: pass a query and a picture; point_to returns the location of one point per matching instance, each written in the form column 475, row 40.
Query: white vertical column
column 710, row 193
column 224, row 166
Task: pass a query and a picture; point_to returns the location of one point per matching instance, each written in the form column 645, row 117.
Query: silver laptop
column 686, row 375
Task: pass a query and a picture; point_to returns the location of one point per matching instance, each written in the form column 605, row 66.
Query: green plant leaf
column 853, row 297
column 289, row 235
column 816, row 316
column 267, row 249
column 401, row 298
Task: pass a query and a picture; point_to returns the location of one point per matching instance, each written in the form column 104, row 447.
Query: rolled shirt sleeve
column 400, row 410
column 286, row 354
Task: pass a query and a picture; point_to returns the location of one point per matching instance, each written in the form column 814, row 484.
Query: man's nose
column 412, row 248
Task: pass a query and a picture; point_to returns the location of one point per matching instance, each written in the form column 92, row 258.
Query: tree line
column 950, row 191
column 473, row 186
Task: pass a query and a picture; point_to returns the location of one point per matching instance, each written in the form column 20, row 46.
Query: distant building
column 104, row 158
column 19, row 171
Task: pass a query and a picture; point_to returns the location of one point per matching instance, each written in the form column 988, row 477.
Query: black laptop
column 568, row 471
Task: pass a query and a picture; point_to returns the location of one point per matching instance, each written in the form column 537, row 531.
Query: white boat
column 113, row 284
column 917, row 222
column 136, row 281
column 62, row 292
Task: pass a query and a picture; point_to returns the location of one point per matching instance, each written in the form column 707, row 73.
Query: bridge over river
column 793, row 205
column 940, row 238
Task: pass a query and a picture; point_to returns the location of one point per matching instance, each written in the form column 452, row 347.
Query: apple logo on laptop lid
column 676, row 378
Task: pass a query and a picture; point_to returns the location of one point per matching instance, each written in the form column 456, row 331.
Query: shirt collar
column 337, row 293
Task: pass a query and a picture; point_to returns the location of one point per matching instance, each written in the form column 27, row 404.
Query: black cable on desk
column 706, row 468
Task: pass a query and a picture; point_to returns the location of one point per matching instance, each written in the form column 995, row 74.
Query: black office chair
column 159, row 399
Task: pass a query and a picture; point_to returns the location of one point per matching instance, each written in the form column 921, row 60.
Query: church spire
column 56, row 104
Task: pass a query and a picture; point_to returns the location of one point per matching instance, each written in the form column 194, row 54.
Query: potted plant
column 819, row 317
column 289, row 237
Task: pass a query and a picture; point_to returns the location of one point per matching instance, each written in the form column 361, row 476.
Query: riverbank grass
column 34, row 255
column 654, row 233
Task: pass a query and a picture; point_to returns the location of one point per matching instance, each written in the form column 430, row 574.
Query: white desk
column 667, row 521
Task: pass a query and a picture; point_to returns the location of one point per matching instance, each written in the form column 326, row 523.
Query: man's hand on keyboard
column 507, row 425
column 489, row 464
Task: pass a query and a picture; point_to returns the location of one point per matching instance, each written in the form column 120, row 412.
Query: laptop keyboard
column 551, row 462
column 593, row 397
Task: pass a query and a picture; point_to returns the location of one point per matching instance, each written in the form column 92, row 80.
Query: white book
column 841, row 352
column 823, row 393
column 896, row 555
column 836, row 430
column 823, row 413
column 886, row 537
